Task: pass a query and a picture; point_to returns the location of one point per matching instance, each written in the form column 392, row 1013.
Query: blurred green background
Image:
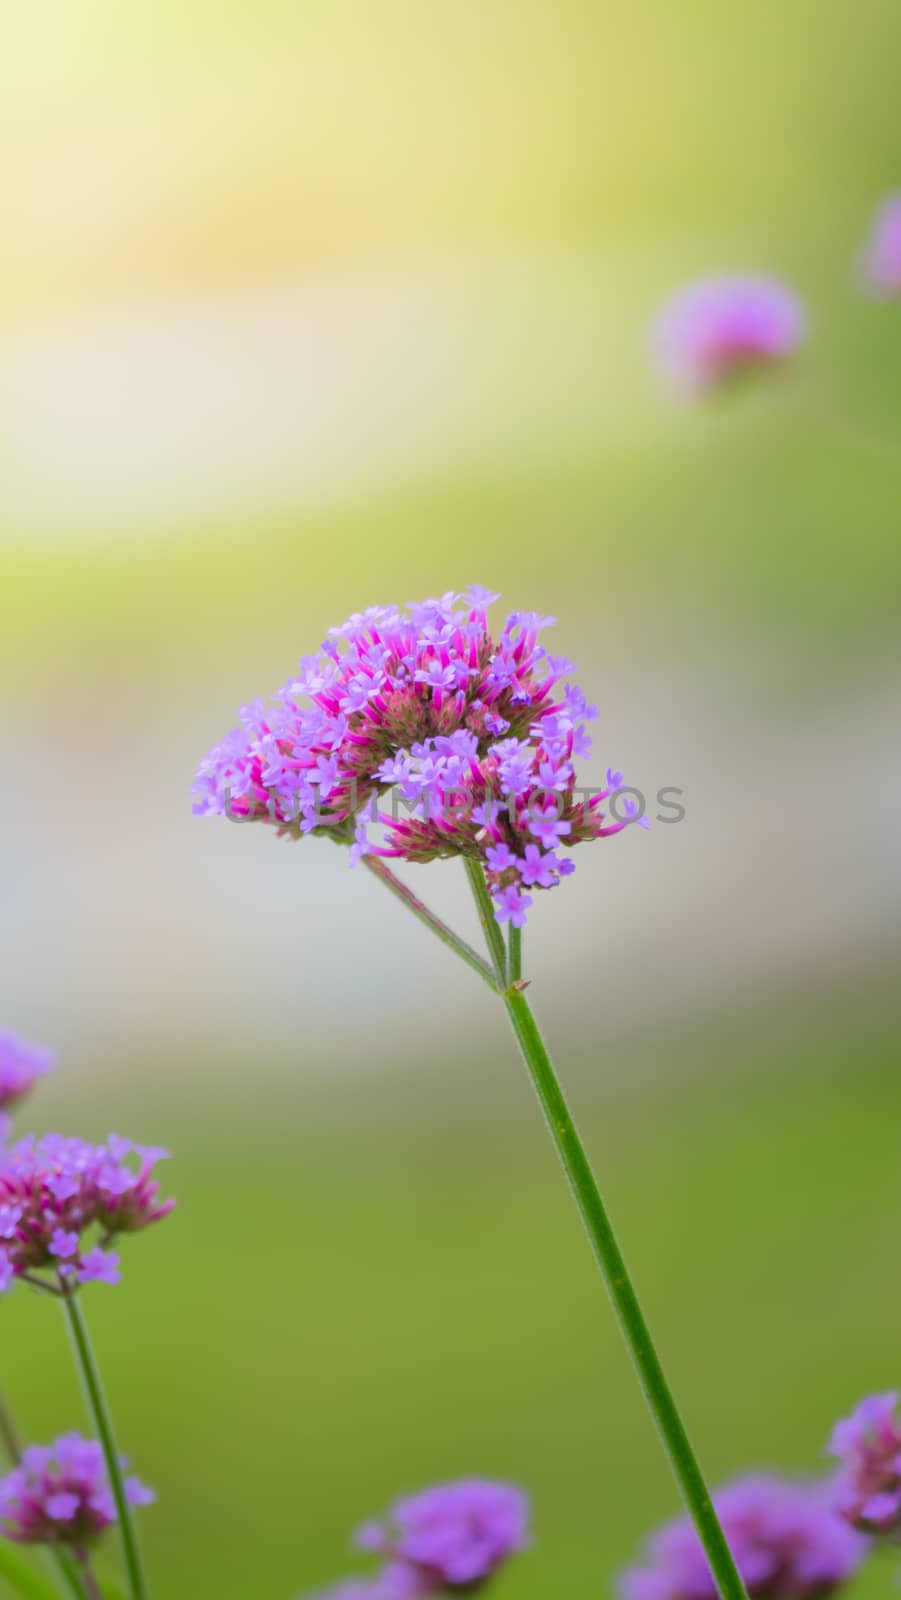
column 305, row 307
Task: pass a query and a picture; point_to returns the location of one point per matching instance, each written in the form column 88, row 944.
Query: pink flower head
column 60, row 1494
column 473, row 736
column 882, row 259
column 21, row 1064
column 454, row 1536
column 787, row 1542
column 63, row 1203
column 720, row 327
column 868, row 1446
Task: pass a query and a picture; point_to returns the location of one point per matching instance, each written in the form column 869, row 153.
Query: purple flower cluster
column 882, row 262
column 60, row 1494
column 868, row 1446
column 786, row 1538
column 21, row 1064
column 478, row 737
column 64, row 1202
column 446, row 1539
column 720, row 327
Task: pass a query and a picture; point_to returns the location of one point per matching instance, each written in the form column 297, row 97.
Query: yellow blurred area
column 152, row 149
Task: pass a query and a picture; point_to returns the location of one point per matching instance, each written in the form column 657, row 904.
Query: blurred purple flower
column 21, row 1064
column 60, row 1493
column 712, row 330
column 453, row 1536
column 868, row 1446
column 787, row 1541
column 63, row 1202
column 882, row 259
column 477, row 732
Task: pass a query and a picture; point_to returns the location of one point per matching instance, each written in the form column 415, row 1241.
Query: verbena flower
column 63, row 1203
column 60, row 1494
column 882, row 259
column 786, row 1539
column 868, row 1446
column 447, row 1539
column 453, row 1536
column 713, row 330
column 475, row 738
column 21, row 1064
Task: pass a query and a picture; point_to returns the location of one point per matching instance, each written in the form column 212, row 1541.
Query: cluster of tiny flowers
column 716, row 329
column 63, row 1203
column 787, row 1541
column 447, row 1539
column 476, row 735
column 21, row 1064
column 60, row 1494
column 882, row 262
column 868, row 1447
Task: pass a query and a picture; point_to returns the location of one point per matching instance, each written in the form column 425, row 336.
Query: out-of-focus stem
column 91, row 1588
column 9, row 1434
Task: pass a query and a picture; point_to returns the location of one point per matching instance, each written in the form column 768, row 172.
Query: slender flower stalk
column 75, row 1579
column 605, row 1245
column 514, row 953
column 99, row 1411
column 91, row 1587
column 490, row 926
column 616, row 1275
column 9, row 1433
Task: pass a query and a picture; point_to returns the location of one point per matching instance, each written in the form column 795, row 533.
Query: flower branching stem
column 440, row 929
column 92, row 1590
column 505, row 978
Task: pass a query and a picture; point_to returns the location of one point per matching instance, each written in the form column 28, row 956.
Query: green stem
column 626, row 1304
column 492, row 932
column 616, row 1276
column 91, row 1586
column 588, row 1198
column 68, row 1569
column 514, row 948
column 9, row 1433
column 97, row 1406
column 20, row 1578
column 441, row 930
